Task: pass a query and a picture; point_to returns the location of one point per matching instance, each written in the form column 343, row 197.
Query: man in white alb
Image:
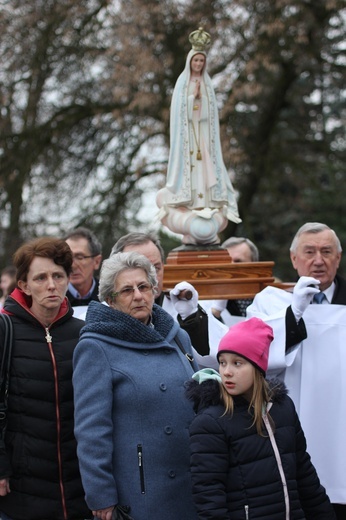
column 309, row 350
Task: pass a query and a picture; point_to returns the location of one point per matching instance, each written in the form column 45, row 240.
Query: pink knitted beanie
column 250, row 339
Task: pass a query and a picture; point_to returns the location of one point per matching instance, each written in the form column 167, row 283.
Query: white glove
column 217, row 306
column 184, row 307
column 303, row 294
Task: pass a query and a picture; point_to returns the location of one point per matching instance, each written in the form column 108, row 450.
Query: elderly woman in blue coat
column 131, row 418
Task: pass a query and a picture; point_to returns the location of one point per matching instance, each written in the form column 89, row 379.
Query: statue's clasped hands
column 197, row 92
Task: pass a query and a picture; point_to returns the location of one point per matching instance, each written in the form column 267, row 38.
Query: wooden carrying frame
column 214, row 276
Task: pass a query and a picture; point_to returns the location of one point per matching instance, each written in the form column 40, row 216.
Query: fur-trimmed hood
column 208, row 393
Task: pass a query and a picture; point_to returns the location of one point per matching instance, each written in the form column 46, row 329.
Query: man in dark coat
column 87, row 255
column 240, row 250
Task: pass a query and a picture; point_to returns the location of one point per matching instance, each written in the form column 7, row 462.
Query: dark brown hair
column 46, row 247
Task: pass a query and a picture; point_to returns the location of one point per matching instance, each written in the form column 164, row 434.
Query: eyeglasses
column 80, row 258
column 128, row 292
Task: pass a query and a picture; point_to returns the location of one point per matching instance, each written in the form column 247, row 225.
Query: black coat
column 40, row 447
column 235, row 474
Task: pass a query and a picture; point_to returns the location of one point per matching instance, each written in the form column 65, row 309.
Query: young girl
column 248, row 450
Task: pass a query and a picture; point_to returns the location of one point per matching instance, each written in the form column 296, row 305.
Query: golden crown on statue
column 199, row 39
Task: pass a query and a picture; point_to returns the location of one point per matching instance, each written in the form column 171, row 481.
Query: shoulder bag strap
column 188, row 356
column 5, row 371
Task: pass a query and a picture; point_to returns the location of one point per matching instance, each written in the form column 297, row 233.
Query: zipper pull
column 141, row 468
column 246, row 512
column 48, row 336
column 139, row 452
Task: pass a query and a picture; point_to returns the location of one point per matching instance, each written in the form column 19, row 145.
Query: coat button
column 168, row 430
column 171, row 473
column 163, row 387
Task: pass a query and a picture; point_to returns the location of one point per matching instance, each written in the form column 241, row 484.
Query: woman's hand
column 4, row 487
column 104, row 514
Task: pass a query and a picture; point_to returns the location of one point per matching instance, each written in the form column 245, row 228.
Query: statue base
column 192, row 254
column 198, row 226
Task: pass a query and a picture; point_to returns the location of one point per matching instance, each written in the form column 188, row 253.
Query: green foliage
column 168, row 242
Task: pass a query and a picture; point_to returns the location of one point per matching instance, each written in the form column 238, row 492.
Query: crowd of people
column 126, row 402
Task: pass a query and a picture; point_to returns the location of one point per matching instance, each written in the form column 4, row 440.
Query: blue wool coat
column 131, row 417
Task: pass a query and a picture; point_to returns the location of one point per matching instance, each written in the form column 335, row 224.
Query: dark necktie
column 319, row 297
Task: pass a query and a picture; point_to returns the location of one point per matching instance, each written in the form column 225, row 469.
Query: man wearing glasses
column 83, row 286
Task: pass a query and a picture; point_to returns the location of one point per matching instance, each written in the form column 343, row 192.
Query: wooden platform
column 198, row 256
column 214, row 275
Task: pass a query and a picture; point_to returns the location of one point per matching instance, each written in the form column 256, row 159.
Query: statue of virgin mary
column 197, row 180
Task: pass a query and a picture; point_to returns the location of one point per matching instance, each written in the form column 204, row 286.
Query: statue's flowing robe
column 194, row 183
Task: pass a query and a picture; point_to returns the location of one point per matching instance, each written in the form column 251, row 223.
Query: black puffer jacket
column 40, row 448
column 235, row 474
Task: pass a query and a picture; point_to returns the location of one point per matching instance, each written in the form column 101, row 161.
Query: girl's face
column 237, row 374
column 197, row 63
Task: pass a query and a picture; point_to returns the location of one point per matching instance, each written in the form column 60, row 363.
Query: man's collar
column 76, row 294
column 330, row 292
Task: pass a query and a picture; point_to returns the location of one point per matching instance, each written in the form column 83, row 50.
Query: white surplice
column 315, row 374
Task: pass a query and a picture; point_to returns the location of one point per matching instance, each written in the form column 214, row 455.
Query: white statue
column 198, row 198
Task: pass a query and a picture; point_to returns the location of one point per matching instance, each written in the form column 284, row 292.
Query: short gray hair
column 235, row 241
column 116, row 264
column 137, row 239
column 313, row 227
column 94, row 244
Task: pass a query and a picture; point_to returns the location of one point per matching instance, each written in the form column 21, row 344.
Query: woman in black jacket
column 39, row 473
column 248, row 450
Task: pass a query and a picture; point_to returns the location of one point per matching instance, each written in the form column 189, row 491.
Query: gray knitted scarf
column 107, row 321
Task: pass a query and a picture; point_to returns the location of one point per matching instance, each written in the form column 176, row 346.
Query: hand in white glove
column 217, row 307
column 185, row 307
column 303, row 292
